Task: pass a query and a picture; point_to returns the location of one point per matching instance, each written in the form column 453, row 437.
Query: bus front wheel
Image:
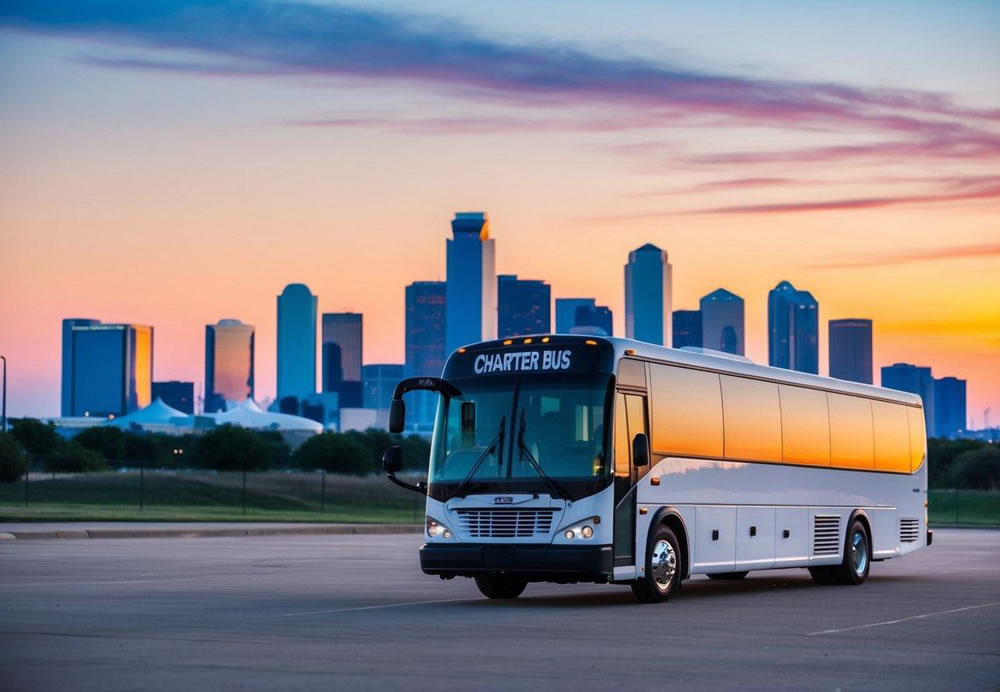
column 500, row 585
column 663, row 568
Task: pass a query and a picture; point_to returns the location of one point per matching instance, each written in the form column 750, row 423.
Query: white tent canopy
column 248, row 414
column 157, row 413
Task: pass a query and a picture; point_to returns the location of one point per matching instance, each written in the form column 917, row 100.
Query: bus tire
column 853, row 570
column 728, row 576
column 663, row 568
column 500, row 585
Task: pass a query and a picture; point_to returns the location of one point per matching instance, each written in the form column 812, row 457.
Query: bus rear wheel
column 857, row 557
column 663, row 568
column 500, row 585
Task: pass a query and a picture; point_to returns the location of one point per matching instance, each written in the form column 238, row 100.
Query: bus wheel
column 857, row 557
column 500, row 585
column 663, row 568
column 728, row 576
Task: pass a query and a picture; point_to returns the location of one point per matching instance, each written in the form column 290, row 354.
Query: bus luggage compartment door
column 715, row 547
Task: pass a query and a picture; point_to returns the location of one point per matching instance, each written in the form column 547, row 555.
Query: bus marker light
column 545, row 339
column 528, row 340
column 507, row 342
column 462, row 350
column 597, row 520
column 590, row 342
column 655, row 480
column 643, row 510
column 629, row 351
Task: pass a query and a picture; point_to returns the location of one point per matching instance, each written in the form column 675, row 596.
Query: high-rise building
column 949, row 407
column 111, row 369
column 345, row 329
column 380, row 380
column 593, row 320
column 333, row 369
column 296, row 342
column 66, row 404
column 793, row 329
column 425, row 350
column 851, row 350
column 471, row 301
column 583, row 316
column 722, row 322
column 916, row 380
column 229, row 363
column 648, row 294
column 687, row 328
column 178, row 395
column 523, row 306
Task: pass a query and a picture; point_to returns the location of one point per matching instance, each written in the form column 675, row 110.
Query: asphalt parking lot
column 355, row 612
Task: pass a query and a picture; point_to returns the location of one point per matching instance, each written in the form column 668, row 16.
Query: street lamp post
column 4, row 425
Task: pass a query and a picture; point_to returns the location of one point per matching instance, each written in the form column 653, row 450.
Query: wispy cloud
column 870, row 259
column 258, row 37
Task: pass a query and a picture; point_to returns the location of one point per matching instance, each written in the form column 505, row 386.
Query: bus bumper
column 531, row 561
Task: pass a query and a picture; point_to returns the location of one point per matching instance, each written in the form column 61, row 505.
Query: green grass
column 201, row 496
column 972, row 507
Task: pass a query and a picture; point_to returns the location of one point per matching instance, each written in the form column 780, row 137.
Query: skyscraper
column 687, row 328
column 471, row 302
column 379, row 381
column 523, row 306
column 296, row 342
column 345, row 330
column 178, row 395
column 793, row 329
column 722, row 322
column 66, row 404
column 229, row 363
column 583, row 316
column 916, row 380
column 111, row 369
column 851, row 350
column 648, row 294
column 425, row 352
column 949, row 407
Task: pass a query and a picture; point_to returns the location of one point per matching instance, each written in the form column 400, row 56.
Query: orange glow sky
column 177, row 197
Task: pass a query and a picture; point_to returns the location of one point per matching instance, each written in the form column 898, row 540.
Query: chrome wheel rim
column 859, row 553
column 663, row 564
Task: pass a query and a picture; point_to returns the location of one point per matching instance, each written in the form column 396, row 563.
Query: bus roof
column 704, row 359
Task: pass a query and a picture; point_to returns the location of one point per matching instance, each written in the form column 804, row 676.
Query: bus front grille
column 826, row 534
column 909, row 530
column 505, row 523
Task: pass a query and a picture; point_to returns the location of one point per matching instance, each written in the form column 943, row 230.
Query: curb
column 234, row 532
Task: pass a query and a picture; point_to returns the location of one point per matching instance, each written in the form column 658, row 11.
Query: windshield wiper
column 496, row 444
column 554, row 487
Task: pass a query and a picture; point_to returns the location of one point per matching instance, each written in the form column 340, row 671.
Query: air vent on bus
column 826, row 534
column 909, row 530
column 505, row 523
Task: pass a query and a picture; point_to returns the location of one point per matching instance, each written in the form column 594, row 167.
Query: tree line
column 224, row 448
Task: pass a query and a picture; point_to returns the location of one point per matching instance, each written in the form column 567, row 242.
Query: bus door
column 630, row 421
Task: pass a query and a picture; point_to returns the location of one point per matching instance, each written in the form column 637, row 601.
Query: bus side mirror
column 640, row 450
column 397, row 416
column 392, row 459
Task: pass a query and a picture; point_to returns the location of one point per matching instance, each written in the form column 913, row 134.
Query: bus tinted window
column 632, row 373
column 686, row 408
column 805, row 426
column 851, row 436
column 918, row 438
column 892, row 437
column 752, row 417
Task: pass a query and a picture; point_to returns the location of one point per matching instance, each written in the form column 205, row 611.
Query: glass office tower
column 523, row 306
column 296, row 342
column 111, row 368
column 229, row 363
column 722, row 322
column 425, row 350
column 793, row 329
column 648, row 296
column 471, row 300
column 851, row 350
column 345, row 330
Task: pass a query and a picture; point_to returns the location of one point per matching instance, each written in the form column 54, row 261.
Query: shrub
column 75, row 458
column 13, row 461
column 335, row 453
column 36, row 437
column 977, row 469
column 106, row 440
column 232, row 448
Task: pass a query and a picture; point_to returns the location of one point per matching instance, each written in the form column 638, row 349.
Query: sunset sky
column 173, row 163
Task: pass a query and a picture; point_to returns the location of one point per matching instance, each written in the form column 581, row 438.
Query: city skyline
column 869, row 182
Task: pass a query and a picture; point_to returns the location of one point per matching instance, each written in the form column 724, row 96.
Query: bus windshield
column 520, row 429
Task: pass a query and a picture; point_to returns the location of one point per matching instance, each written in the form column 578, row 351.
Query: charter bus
column 566, row 458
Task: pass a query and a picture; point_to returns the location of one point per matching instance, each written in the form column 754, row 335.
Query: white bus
column 573, row 459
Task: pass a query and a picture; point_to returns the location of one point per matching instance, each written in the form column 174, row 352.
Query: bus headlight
column 435, row 529
column 583, row 531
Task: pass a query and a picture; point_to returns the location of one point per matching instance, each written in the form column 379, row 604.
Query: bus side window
column 622, row 460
